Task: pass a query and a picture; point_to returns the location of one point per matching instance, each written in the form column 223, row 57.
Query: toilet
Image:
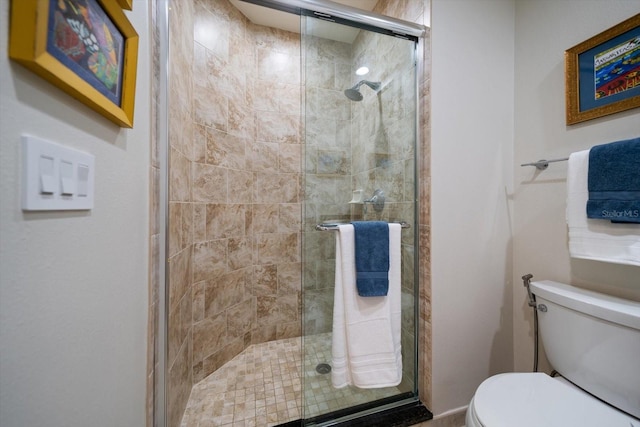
column 593, row 341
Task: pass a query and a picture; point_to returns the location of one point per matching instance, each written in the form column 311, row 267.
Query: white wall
column 472, row 139
column 544, row 30
column 73, row 285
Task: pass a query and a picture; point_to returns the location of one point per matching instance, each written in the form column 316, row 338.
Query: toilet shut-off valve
column 526, row 279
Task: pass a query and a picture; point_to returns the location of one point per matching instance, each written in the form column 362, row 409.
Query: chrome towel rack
column 543, row 164
column 333, row 226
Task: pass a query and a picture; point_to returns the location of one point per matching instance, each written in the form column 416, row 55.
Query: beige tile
column 277, row 188
column 240, row 318
column 278, row 127
column 175, row 228
column 179, row 177
column 289, row 277
column 240, row 186
column 199, row 222
column 241, row 120
column 265, row 280
column 199, row 144
column 263, row 333
column 264, row 157
column 288, row 330
column 210, row 114
column 209, row 183
column 209, row 335
column 209, row 259
column 240, row 253
column 268, row 310
column 226, row 221
column 223, row 292
column 289, row 307
column 179, row 383
column 265, row 218
column 275, row 248
column 278, row 66
column 226, row 150
column 290, row 158
column 212, row 31
column 198, row 301
column 179, row 276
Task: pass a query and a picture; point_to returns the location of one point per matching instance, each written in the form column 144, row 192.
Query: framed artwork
column 87, row 48
column 602, row 74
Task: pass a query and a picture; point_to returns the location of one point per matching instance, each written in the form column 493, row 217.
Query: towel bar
column 333, row 226
column 543, row 164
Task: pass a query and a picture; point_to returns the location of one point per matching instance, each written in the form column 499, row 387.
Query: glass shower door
column 359, row 141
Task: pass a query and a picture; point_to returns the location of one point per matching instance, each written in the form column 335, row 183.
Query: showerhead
column 354, row 93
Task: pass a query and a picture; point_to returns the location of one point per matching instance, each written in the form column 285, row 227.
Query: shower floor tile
column 262, row 386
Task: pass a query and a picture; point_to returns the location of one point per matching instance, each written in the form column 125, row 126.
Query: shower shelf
column 333, row 226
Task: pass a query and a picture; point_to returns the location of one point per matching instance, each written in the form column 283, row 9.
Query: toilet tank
column 593, row 340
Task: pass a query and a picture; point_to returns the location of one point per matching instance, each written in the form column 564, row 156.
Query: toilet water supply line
column 526, row 279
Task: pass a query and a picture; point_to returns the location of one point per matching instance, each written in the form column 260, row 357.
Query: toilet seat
column 536, row 399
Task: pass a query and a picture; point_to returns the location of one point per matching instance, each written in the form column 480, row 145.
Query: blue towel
column 614, row 181
column 372, row 257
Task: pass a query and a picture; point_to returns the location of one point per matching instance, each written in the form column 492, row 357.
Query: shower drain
column 323, row 368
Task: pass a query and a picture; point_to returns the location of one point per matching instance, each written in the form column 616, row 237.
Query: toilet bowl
column 538, row 400
column 593, row 341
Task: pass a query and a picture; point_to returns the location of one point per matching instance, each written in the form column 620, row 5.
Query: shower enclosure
column 273, row 138
column 359, row 143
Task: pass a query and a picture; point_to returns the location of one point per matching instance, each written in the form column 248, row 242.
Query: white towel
column 366, row 350
column 595, row 239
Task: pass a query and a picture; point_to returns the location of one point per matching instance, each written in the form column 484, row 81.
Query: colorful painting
column 617, row 69
column 602, row 74
column 87, row 48
column 83, row 38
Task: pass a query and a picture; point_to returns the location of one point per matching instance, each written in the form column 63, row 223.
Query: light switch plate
column 55, row 177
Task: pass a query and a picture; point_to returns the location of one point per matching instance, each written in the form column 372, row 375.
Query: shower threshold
column 397, row 411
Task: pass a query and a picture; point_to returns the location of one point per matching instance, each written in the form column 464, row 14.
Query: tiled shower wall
column 246, row 185
column 235, row 190
column 180, row 245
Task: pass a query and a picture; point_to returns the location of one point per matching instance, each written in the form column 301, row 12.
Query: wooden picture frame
column 602, row 74
column 87, row 48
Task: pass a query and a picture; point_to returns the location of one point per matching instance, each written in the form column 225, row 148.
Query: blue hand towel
column 372, row 257
column 614, row 181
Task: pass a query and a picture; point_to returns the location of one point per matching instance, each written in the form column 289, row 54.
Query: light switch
column 67, row 181
column 47, row 181
column 83, row 180
column 55, row 177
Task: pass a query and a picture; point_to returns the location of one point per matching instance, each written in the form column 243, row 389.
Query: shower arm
column 373, row 85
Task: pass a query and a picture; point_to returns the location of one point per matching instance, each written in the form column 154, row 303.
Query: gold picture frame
column 602, row 74
column 126, row 4
column 94, row 62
